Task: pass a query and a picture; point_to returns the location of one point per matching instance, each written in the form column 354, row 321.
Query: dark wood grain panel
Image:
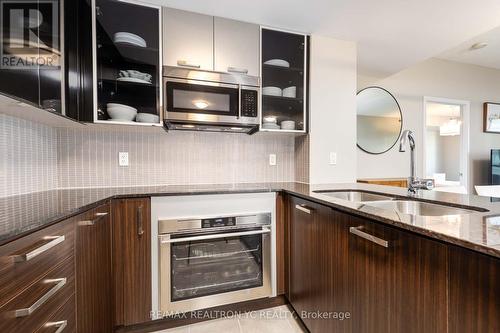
column 16, row 277
column 93, row 271
column 474, row 294
column 30, row 323
column 65, row 313
column 281, row 212
column 132, row 260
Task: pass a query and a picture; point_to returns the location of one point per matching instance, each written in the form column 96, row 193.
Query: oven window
column 202, row 268
column 201, row 99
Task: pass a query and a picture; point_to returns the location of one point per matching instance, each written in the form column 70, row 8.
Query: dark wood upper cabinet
column 132, row 260
column 93, row 271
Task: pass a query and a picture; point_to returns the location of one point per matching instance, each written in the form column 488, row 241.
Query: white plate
column 270, row 126
column 277, row 62
column 131, row 36
column 133, row 42
column 271, row 91
column 118, row 105
column 132, row 79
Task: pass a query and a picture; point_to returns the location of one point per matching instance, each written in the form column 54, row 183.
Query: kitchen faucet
column 414, row 183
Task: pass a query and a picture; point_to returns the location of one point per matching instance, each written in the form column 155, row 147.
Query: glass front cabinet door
column 32, row 61
column 284, row 81
column 127, row 63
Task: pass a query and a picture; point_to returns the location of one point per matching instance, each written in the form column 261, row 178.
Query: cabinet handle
column 60, row 325
column 39, row 250
column 237, row 70
column 357, row 231
column 303, row 208
column 92, row 222
column 184, row 63
column 27, row 311
column 140, row 229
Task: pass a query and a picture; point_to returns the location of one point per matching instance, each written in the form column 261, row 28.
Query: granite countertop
column 479, row 231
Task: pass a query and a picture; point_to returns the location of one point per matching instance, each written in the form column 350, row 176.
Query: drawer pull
column 357, row 231
column 184, row 63
column 60, row 325
column 237, row 70
column 303, row 208
column 92, row 222
column 39, row 250
column 27, row 311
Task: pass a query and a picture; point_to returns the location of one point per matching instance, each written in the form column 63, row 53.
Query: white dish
column 132, row 79
column 271, row 91
column 290, row 92
column 277, row 62
column 288, row 125
column 118, row 105
column 147, row 118
column 129, row 36
column 270, row 126
column 129, row 41
column 269, row 120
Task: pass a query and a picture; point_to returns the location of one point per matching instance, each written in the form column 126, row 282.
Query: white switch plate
column 123, row 158
column 333, row 158
column 272, row 159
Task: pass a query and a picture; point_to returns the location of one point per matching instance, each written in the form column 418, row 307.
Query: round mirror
column 379, row 120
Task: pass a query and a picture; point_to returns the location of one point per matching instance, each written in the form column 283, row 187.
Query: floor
column 273, row 320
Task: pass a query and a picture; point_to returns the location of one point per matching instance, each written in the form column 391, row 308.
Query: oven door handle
column 215, row 236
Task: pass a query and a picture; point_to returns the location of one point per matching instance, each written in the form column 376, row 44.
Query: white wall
column 437, row 78
column 332, row 110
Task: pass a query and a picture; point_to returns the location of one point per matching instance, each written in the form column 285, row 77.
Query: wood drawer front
column 49, row 287
column 17, row 276
column 63, row 319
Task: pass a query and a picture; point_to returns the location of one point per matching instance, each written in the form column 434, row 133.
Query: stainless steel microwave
column 210, row 101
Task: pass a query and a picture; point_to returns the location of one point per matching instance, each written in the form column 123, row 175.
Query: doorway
column 446, row 143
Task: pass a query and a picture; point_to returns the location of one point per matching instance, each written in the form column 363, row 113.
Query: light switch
column 123, row 158
column 333, row 158
column 272, row 159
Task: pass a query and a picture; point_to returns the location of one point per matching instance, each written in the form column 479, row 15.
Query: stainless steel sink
column 419, row 208
column 355, row 196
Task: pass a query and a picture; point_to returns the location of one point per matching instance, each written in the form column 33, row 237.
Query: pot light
column 200, row 104
column 478, row 46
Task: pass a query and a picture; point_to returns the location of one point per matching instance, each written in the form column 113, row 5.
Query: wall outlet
column 272, row 159
column 123, row 158
column 333, row 158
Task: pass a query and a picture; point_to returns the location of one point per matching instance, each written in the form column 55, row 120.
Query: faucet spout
column 414, row 183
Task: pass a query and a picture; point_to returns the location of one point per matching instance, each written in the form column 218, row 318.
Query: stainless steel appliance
column 210, row 101
column 211, row 261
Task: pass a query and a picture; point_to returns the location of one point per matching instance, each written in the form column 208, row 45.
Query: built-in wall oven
column 210, row 101
column 211, row 261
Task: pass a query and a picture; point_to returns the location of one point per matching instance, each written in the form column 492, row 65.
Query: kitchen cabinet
column 474, row 294
column 386, row 279
column 93, row 270
column 188, row 39
column 399, row 280
column 284, row 77
column 131, row 260
column 237, row 46
column 37, row 278
column 127, row 63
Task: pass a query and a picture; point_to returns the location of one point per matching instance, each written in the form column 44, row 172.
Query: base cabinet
column 132, row 260
column 93, row 271
column 385, row 279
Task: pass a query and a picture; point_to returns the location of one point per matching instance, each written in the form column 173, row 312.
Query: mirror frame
column 400, row 127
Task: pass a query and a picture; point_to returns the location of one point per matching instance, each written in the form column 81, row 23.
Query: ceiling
column 391, row 34
column 487, row 57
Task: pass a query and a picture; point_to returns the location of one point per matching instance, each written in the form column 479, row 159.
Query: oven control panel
column 249, row 103
column 218, row 222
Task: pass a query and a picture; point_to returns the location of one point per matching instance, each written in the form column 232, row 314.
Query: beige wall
column 436, row 78
column 332, row 110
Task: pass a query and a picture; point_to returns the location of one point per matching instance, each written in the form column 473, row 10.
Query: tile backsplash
column 89, row 157
column 28, row 153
